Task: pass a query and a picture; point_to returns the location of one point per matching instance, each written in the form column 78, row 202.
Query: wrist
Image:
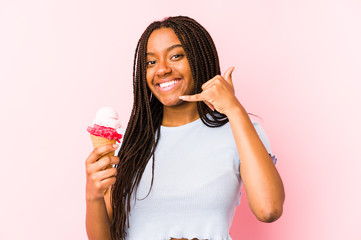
column 236, row 111
column 93, row 199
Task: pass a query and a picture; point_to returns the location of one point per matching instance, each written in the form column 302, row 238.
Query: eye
column 150, row 63
column 176, row 56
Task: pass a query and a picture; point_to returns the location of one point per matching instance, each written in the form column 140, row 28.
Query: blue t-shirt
column 196, row 186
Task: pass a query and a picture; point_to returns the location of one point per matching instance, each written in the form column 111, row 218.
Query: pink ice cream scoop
column 105, row 125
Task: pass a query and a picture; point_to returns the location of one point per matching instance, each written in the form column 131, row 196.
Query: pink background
column 298, row 66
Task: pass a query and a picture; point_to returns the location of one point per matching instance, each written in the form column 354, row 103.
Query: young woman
column 188, row 147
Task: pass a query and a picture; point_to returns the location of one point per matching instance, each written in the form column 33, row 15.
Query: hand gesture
column 218, row 93
column 100, row 174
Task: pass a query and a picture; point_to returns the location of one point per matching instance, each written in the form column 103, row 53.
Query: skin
column 98, row 179
column 167, row 62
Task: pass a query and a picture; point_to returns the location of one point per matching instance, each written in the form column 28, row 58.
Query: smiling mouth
column 168, row 85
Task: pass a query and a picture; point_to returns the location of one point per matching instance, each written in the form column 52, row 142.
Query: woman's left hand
column 218, row 93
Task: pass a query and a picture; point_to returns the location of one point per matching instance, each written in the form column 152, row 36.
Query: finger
column 106, row 183
column 99, row 152
column 103, row 163
column 228, row 75
column 103, row 185
column 192, row 98
column 209, row 83
column 104, row 174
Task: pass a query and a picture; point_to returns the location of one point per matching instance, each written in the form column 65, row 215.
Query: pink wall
column 297, row 66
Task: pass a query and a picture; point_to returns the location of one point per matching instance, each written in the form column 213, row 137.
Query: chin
column 171, row 102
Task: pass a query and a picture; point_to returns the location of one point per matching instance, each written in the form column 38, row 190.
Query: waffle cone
column 100, row 141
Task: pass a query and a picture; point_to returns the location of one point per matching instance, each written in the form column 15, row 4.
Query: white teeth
column 167, row 84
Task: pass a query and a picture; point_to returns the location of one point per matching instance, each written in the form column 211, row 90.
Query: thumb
column 228, row 75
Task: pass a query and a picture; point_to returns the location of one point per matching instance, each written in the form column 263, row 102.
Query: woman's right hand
column 100, row 174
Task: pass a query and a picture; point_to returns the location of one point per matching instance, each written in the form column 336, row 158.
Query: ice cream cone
column 101, row 141
column 103, row 130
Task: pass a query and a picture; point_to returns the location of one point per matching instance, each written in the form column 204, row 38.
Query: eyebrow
column 168, row 49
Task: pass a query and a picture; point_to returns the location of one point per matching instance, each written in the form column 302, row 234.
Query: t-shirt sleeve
column 262, row 135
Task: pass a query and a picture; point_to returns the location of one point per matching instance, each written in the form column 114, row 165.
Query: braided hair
column 142, row 133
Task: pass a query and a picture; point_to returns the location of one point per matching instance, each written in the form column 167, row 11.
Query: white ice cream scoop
column 107, row 117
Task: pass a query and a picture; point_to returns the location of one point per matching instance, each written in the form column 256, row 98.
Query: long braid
column 143, row 131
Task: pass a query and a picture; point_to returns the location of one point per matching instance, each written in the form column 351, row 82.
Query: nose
column 163, row 68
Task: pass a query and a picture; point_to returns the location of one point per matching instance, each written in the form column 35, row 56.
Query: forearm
column 261, row 180
column 97, row 221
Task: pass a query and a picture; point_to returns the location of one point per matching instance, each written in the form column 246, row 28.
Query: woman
column 188, row 147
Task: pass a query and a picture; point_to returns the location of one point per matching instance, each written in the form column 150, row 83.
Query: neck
column 179, row 115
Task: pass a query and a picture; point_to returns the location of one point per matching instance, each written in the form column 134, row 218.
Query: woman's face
column 168, row 72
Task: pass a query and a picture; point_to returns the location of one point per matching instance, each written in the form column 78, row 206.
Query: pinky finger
column 192, row 98
column 106, row 183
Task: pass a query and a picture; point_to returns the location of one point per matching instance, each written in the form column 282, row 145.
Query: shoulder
column 262, row 135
